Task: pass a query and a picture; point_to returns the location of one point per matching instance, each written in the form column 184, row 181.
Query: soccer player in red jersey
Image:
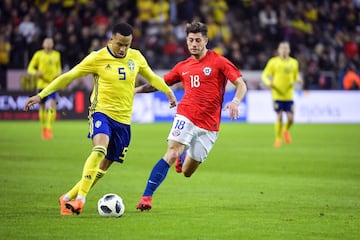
column 204, row 76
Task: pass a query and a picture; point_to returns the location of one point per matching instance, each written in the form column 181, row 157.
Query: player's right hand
column 31, row 101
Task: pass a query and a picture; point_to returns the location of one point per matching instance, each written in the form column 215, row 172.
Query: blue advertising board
column 162, row 113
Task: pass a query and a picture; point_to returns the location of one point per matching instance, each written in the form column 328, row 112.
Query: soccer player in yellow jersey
column 279, row 75
column 45, row 65
column 114, row 69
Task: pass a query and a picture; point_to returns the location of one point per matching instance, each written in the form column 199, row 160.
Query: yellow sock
column 75, row 190
column 90, row 169
column 50, row 118
column 100, row 173
column 42, row 117
column 287, row 126
column 278, row 127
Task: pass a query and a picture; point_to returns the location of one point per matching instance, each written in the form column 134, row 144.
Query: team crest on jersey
column 207, row 71
column 131, row 65
column 288, row 69
column 98, row 124
column 176, row 133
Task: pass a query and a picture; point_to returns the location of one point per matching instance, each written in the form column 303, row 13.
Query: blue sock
column 182, row 157
column 157, row 175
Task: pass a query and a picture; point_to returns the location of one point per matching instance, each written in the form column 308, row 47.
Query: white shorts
column 198, row 141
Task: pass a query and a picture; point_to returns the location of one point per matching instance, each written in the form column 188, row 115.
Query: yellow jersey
column 113, row 81
column 47, row 63
column 282, row 73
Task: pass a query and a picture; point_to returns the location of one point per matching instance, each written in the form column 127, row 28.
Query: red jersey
column 204, row 84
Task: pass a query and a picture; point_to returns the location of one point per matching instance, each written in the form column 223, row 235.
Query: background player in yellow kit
column 279, row 75
column 114, row 69
column 45, row 65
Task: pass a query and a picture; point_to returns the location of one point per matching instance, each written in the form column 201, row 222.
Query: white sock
column 66, row 197
column 82, row 198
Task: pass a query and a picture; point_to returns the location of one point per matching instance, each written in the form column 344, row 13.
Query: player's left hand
column 172, row 99
column 233, row 110
column 31, row 101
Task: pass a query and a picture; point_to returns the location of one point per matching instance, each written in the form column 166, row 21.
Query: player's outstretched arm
column 31, row 101
column 146, row 88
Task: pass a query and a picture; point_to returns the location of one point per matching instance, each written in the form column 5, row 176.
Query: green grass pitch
column 246, row 189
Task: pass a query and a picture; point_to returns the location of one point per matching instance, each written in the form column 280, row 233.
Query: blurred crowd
column 324, row 35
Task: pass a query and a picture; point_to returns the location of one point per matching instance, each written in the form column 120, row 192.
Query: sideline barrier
column 310, row 107
column 70, row 105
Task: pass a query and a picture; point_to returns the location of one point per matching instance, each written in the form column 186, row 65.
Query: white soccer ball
column 111, row 205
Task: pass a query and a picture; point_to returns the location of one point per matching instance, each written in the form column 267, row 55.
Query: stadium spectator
column 234, row 54
column 219, row 9
column 303, row 24
column 144, row 9
column 197, row 121
column 27, row 28
column 312, row 76
column 160, row 11
column 268, row 19
column 5, row 49
column 351, row 80
column 110, row 110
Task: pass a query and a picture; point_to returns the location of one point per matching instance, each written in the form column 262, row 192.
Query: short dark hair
column 196, row 27
column 123, row 28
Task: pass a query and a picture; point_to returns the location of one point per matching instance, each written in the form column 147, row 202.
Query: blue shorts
column 119, row 135
column 285, row 106
column 48, row 97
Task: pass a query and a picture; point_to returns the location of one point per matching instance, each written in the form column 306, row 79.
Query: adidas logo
column 88, row 177
column 108, row 67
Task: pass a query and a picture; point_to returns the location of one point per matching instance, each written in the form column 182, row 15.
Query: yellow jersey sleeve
column 82, row 69
column 31, row 69
column 155, row 81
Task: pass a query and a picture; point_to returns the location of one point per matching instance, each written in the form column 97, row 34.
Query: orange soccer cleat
column 63, row 210
column 43, row 134
column 75, row 206
column 277, row 143
column 46, row 134
column 49, row 134
column 145, row 203
column 287, row 137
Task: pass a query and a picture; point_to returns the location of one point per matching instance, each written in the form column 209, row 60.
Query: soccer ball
column 111, row 205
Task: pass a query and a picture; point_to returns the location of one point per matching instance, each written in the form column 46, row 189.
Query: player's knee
column 172, row 154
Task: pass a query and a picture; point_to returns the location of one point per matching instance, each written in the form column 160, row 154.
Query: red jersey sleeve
column 173, row 76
